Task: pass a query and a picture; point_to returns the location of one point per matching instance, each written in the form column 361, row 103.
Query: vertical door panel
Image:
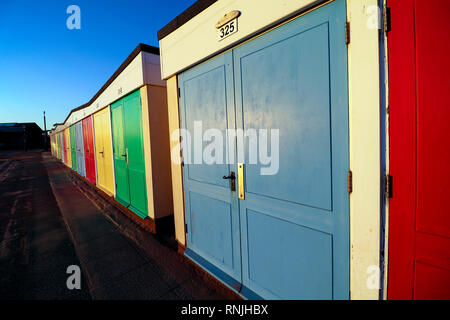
column 107, row 143
column 102, row 131
column 295, row 222
column 98, row 133
column 89, row 150
column 211, row 207
column 73, row 147
column 68, row 147
column 135, row 148
column 62, row 146
column 120, row 154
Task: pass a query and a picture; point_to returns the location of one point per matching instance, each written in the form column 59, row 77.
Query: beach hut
column 301, row 220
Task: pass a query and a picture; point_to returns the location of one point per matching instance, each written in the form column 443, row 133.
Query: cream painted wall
column 152, row 69
column 160, row 150
column 176, row 169
column 156, row 151
column 144, row 69
column 364, row 121
column 197, row 39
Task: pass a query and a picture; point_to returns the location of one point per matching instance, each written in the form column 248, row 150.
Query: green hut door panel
column 120, row 155
column 73, row 148
column 136, row 163
column 129, row 153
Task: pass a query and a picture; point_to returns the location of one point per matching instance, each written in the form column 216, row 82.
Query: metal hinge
column 179, row 92
column 387, row 19
column 388, row 186
column 347, row 32
column 350, row 181
column 185, row 228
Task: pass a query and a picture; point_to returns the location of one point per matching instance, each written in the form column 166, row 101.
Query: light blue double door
column 289, row 237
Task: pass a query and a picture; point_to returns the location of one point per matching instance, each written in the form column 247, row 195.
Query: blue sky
column 46, row 66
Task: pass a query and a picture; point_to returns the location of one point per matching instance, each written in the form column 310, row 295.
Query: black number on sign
column 227, row 27
column 222, row 34
column 231, row 27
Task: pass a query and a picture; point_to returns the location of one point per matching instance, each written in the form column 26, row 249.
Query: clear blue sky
column 46, row 66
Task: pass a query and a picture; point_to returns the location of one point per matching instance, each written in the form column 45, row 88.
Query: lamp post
column 45, row 133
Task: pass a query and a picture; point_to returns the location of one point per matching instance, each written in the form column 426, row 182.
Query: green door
column 129, row 153
column 73, row 148
column 120, row 154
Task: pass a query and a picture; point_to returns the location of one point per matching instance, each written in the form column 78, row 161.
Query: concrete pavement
column 50, row 219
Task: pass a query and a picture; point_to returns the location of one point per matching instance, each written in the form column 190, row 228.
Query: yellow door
column 103, row 154
column 68, row 151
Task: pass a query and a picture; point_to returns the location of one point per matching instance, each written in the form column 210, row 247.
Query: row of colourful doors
column 107, row 148
column 283, row 235
column 76, row 148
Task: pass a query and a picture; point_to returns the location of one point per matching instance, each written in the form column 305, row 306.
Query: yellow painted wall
column 68, row 151
column 176, row 169
column 103, row 151
column 364, row 120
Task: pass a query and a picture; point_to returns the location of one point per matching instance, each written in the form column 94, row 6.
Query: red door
column 419, row 223
column 63, row 133
column 89, row 151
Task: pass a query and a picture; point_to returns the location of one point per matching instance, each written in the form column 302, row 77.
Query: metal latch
column 241, row 181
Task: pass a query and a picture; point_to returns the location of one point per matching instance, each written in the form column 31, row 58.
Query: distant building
column 21, row 136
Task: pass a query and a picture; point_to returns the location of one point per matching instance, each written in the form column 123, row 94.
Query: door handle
column 232, row 178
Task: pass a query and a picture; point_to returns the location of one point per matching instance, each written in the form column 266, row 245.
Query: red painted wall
column 89, row 151
column 419, row 113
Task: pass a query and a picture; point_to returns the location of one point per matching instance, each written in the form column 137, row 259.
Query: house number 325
column 227, row 29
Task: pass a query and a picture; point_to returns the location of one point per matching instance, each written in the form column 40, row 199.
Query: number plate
column 227, row 29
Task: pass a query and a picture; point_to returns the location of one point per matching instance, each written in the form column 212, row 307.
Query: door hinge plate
column 350, row 181
column 347, row 32
column 185, row 228
column 388, row 186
